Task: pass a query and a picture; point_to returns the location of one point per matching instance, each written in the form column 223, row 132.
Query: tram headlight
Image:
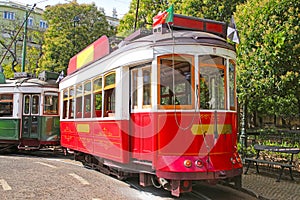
column 199, row 163
column 187, row 163
column 233, row 160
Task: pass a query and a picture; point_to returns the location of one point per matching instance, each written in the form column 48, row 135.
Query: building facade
column 12, row 31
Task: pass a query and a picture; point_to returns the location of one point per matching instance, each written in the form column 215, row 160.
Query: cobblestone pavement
column 264, row 185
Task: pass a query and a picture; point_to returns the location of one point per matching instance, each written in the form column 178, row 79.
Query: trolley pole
column 24, row 43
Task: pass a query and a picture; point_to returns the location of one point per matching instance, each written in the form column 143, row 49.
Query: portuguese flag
column 164, row 17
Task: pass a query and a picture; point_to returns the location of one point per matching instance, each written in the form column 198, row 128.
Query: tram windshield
column 51, row 104
column 176, row 78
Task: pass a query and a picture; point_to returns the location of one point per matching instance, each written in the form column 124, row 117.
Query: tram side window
column 134, row 98
column 65, row 104
column 6, row 105
column 147, row 86
column 97, row 95
column 109, row 94
column 71, row 103
column 212, row 82
column 87, row 99
column 176, row 77
column 232, row 84
column 78, row 101
column 51, row 104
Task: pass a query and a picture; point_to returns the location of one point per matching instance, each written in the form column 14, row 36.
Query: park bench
column 258, row 159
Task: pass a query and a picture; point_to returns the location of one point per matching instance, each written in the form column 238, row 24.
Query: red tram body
column 162, row 105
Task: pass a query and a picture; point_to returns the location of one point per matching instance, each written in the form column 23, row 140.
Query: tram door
column 142, row 141
column 30, row 124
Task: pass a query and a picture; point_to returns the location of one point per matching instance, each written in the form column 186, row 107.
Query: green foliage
column 268, row 56
column 72, row 27
column 147, row 10
column 209, row 9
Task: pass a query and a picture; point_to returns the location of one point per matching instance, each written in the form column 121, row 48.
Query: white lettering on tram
column 80, row 179
column 4, row 185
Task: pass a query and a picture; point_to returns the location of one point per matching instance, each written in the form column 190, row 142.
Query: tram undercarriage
column 147, row 176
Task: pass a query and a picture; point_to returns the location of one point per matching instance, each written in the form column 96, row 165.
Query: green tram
column 29, row 117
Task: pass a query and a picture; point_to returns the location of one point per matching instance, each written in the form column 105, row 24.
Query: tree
column 147, row 9
column 72, row 27
column 209, row 9
column 268, row 56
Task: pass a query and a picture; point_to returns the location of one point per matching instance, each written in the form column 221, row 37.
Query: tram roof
column 29, row 82
column 185, row 30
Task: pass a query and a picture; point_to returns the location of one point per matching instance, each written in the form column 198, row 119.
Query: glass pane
column 79, row 90
column 27, row 104
column 98, row 105
column 175, row 82
column 87, row 87
column 51, row 104
column 232, row 85
column 212, row 88
column 97, row 85
column 147, row 86
column 71, row 92
column 109, row 102
column 35, row 104
column 134, row 91
column 110, row 79
column 87, row 105
column 66, row 94
column 78, row 107
column 6, row 105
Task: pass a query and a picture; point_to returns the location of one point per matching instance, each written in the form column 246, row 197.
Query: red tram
column 162, row 105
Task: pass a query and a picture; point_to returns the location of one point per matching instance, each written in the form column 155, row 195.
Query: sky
column 122, row 6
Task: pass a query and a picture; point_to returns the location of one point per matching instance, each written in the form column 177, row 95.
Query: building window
column 43, row 24
column 8, row 15
column 30, row 22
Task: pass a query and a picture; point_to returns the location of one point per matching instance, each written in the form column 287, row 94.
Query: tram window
column 232, row 84
column 134, row 100
column 65, row 104
column 51, row 104
column 6, row 105
column 97, row 95
column 87, row 99
column 78, row 101
column 212, row 82
column 109, row 94
column 176, row 81
column 26, row 104
column 98, row 104
column 71, row 103
column 35, row 104
column 147, row 86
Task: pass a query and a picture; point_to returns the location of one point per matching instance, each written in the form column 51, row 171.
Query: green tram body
column 29, row 114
